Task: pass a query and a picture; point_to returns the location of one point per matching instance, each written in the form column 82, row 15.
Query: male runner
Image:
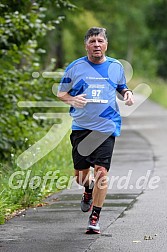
column 89, row 85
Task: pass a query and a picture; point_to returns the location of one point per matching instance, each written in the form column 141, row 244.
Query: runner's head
column 95, row 31
column 96, row 44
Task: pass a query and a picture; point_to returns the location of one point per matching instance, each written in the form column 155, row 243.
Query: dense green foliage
column 157, row 21
column 21, row 28
column 22, row 25
column 136, row 31
column 43, row 35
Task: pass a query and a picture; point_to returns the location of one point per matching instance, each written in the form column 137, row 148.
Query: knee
column 101, row 178
column 101, row 171
column 78, row 180
column 77, row 177
column 82, row 178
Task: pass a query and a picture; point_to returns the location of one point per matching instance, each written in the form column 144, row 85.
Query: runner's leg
column 100, row 186
column 83, row 177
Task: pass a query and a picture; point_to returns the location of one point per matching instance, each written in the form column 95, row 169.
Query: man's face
column 96, row 47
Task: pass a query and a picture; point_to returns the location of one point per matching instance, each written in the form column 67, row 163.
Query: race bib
column 95, row 93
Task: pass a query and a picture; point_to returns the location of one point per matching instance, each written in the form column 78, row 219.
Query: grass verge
column 24, row 188
column 158, row 86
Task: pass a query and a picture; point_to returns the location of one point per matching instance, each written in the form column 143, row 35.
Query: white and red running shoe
column 93, row 224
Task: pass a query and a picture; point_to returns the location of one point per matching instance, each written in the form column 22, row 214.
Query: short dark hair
column 94, row 31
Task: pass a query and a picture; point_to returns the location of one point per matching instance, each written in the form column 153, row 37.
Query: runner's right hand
column 79, row 101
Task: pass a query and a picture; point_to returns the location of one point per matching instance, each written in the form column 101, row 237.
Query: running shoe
column 86, row 202
column 93, row 224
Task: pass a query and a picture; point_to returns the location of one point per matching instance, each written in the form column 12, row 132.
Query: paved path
column 128, row 214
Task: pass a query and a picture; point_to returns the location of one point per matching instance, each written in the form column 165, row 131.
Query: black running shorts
column 91, row 148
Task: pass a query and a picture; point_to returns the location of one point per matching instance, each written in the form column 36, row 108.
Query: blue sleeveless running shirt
column 99, row 82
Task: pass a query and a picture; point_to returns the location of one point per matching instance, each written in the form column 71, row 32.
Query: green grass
column 159, row 92
column 27, row 187
column 158, row 86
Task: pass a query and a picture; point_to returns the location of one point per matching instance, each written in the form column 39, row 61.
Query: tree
column 157, row 21
column 126, row 26
column 22, row 24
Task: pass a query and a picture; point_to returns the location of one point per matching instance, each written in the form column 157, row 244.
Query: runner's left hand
column 128, row 98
